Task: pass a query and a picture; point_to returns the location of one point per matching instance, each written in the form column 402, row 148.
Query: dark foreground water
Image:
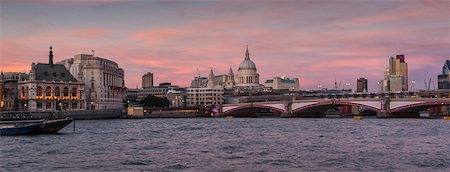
column 239, row 144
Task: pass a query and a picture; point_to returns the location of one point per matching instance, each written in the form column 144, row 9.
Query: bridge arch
column 419, row 106
column 332, row 103
column 249, row 110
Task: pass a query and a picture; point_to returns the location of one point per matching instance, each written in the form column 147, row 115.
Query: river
column 237, row 144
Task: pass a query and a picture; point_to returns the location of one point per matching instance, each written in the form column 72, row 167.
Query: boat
column 357, row 117
column 52, row 126
column 18, row 129
column 45, row 126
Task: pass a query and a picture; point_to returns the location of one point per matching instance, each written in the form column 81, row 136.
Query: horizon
column 317, row 42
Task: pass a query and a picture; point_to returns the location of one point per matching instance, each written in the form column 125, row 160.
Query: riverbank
column 76, row 114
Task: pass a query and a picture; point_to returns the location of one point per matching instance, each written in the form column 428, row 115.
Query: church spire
column 50, row 56
column 231, row 71
column 247, row 54
column 211, row 75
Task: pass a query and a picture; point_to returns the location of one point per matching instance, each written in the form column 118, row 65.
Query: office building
column 147, row 80
column 282, row 83
column 104, row 79
column 361, row 85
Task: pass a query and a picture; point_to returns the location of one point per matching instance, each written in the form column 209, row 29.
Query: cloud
column 317, row 42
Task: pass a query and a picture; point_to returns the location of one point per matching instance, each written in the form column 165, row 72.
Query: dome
column 247, row 64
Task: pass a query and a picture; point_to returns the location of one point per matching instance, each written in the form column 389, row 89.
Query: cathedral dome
column 247, row 63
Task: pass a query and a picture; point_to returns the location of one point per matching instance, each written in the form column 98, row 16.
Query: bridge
column 381, row 107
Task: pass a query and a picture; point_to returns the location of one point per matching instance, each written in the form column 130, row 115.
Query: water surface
column 238, row 144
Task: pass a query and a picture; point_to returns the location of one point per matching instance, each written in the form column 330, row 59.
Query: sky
column 317, row 41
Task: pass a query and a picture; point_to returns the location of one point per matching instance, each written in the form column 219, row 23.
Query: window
column 57, row 91
column 74, row 92
column 39, row 91
column 66, row 92
column 48, row 91
column 74, row 105
column 48, row 105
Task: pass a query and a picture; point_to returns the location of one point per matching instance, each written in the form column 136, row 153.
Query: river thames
column 238, row 144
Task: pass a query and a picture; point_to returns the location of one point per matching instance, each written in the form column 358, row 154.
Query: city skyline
column 172, row 39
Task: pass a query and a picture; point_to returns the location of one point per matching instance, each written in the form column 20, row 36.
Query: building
column 247, row 74
column 105, row 86
column 132, row 95
column 51, row 87
column 361, row 85
column 155, row 91
column 210, row 96
column 177, row 96
column 282, row 83
column 396, row 76
column 9, row 90
column 444, row 77
column 147, row 80
column 224, row 80
column 199, row 82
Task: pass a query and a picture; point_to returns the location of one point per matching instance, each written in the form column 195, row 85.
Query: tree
column 153, row 101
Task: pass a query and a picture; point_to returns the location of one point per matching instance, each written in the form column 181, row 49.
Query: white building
column 247, row 74
column 205, row 96
column 103, row 78
column 282, row 83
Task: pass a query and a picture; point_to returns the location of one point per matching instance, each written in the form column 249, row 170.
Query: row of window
column 48, row 105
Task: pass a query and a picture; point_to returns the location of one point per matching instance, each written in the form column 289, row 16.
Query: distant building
column 199, row 82
column 247, row 74
column 132, row 94
column 396, row 76
column 212, row 96
column 361, row 85
column 177, row 96
column 444, row 77
column 147, row 80
column 51, row 87
column 224, row 80
column 9, row 90
column 155, row 91
column 105, row 86
column 282, row 83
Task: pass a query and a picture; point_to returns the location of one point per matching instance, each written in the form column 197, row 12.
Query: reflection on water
column 199, row 144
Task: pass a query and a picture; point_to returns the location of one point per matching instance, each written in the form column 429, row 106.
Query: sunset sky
column 316, row 41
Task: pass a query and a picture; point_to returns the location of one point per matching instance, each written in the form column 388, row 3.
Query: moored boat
column 18, row 129
column 52, row 126
column 44, row 126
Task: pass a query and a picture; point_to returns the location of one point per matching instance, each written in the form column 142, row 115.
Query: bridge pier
column 398, row 115
column 286, row 115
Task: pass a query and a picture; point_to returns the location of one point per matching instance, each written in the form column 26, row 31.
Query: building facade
column 105, row 86
column 361, row 85
column 210, row 96
column 247, row 73
column 9, row 90
column 396, row 76
column 147, row 80
column 282, row 83
column 51, row 87
column 444, row 77
column 177, row 96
